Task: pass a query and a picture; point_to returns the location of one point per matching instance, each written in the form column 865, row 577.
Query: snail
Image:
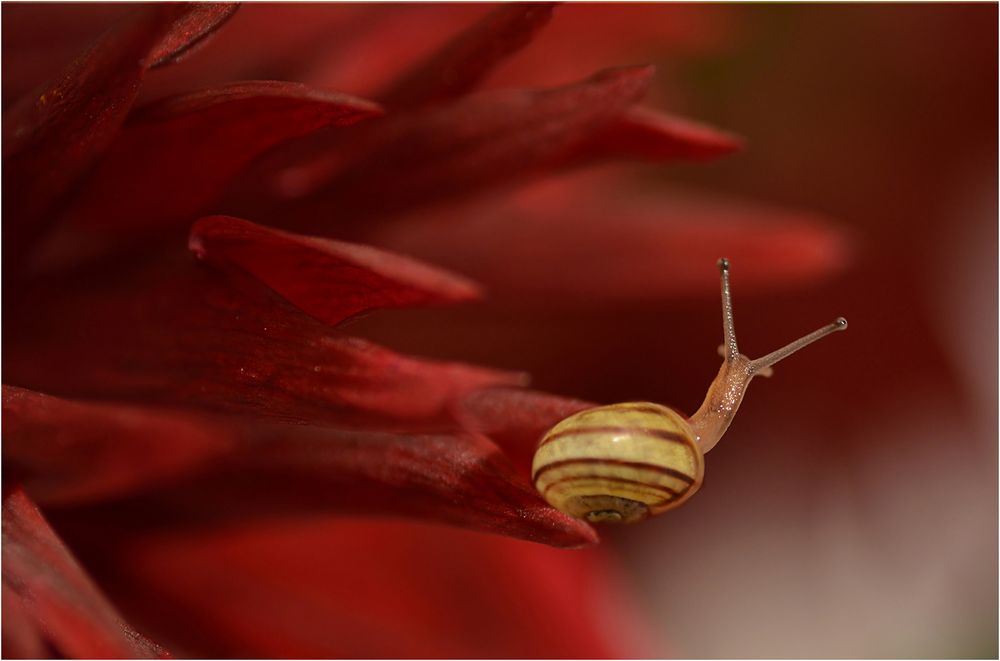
column 624, row 462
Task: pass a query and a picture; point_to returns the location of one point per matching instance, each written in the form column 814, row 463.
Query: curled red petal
column 642, row 133
column 445, row 152
column 52, row 137
column 330, row 280
column 457, row 67
column 200, row 142
column 54, row 594
column 515, row 419
column 190, row 31
column 63, row 451
column 174, row 332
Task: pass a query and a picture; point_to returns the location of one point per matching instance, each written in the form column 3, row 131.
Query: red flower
column 183, row 401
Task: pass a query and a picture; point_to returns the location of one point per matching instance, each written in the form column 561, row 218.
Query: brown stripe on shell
column 662, row 434
column 643, row 408
column 669, row 493
column 663, row 470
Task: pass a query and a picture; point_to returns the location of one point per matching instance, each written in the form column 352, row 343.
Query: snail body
column 625, row 462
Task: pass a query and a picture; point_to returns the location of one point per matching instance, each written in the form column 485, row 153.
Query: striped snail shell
column 625, row 462
column 618, row 463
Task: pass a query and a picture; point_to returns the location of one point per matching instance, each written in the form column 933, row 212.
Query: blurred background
column 851, row 511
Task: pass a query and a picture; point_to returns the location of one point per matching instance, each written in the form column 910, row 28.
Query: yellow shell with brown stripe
column 620, row 463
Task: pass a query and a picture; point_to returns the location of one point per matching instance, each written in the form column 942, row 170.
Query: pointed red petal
column 40, row 39
column 53, row 592
column 174, row 332
column 53, row 137
column 327, row 45
column 289, row 471
column 516, row 419
column 200, row 142
column 330, row 280
column 586, row 35
column 22, row 638
column 63, row 451
column 589, row 240
column 444, row 153
column 645, row 134
column 457, row 67
column 189, row 32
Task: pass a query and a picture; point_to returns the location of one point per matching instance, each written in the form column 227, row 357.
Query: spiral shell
column 619, row 463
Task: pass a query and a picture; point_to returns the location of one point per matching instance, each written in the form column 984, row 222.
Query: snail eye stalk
column 625, row 462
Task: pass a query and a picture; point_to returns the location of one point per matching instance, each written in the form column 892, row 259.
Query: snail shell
column 618, row 463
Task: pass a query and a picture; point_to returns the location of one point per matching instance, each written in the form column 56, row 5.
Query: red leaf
column 515, row 419
column 327, row 279
column 52, row 137
column 190, row 31
column 170, row 332
column 63, row 451
column 52, row 592
column 589, row 240
column 456, row 68
column 369, row 589
column 645, row 134
column 453, row 150
column 198, row 143
column 289, row 471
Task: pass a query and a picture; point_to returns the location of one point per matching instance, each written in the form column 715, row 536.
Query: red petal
column 52, row 591
column 189, row 32
column 199, row 142
column 327, row 279
column 69, row 453
column 483, row 141
column 457, row 67
column 588, row 240
column 40, row 39
column 388, row 31
column 648, row 135
column 63, row 451
column 172, row 332
column 22, row 638
column 366, row 589
column 586, row 35
column 327, row 45
column 516, row 419
column 52, row 137
column 288, row 471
